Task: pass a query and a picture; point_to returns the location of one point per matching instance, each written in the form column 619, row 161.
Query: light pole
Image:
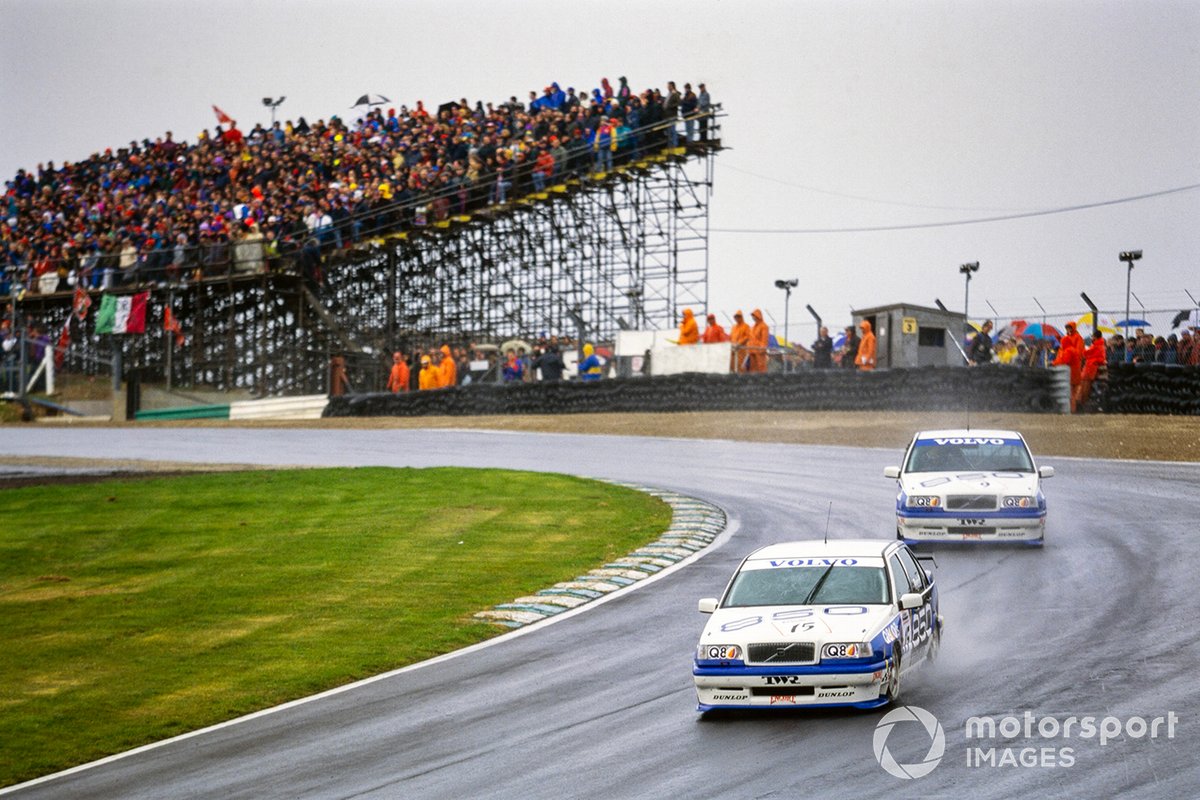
column 787, row 287
column 273, row 104
column 1129, row 256
column 967, row 269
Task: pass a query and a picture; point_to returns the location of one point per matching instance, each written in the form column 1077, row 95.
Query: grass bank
column 136, row 610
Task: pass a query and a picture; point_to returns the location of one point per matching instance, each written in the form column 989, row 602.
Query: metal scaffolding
column 627, row 249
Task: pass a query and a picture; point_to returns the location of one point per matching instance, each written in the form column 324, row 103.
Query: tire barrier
column 1151, row 389
column 985, row 388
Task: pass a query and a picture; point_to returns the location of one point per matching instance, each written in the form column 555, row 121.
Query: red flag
column 170, row 323
column 136, row 322
column 222, row 117
column 64, row 341
column 81, row 303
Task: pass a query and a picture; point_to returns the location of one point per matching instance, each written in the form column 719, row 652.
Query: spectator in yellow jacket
column 429, row 377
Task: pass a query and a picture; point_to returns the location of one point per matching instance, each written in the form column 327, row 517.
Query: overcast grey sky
column 842, row 114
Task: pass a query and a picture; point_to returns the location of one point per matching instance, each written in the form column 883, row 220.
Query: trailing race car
column 961, row 485
column 815, row 624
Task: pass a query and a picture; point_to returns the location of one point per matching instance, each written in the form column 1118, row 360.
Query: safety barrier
column 988, row 388
column 303, row 407
column 184, row 412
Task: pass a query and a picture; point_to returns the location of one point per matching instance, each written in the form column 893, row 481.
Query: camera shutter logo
column 937, row 742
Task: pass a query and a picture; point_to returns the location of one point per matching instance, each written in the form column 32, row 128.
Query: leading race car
column 816, row 624
column 970, row 485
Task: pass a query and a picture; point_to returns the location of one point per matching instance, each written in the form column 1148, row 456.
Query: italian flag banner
column 122, row 314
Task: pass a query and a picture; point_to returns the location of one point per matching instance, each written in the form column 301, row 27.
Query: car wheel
column 893, row 691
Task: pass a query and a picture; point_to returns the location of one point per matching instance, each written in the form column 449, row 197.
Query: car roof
column 816, row 548
column 982, row 433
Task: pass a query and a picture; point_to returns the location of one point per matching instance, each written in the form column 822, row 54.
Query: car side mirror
column 707, row 605
column 911, row 600
column 891, row 472
column 1046, row 472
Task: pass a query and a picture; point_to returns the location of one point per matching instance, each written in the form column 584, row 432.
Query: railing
column 281, row 248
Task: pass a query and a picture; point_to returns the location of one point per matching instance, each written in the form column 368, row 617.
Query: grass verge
column 137, row 610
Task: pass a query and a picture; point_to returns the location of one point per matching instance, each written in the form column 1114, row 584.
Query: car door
column 921, row 619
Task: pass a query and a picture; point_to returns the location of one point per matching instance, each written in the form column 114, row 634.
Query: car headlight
column 1020, row 502
column 718, row 652
column 923, row 501
column 847, row 650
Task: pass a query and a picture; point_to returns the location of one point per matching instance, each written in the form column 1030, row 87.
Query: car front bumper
column 971, row 528
column 794, row 687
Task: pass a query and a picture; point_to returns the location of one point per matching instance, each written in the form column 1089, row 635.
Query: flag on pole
column 64, row 342
column 171, row 323
column 122, row 314
column 222, row 117
column 81, row 303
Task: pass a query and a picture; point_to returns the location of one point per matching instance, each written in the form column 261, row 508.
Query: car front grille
column 782, row 653
column 971, row 502
column 968, row 529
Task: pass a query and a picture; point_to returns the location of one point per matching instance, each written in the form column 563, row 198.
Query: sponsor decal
column 813, row 562
column 972, row 521
column 738, row 624
column 971, row 440
column 973, row 536
column 891, row 633
column 795, row 613
column 785, row 699
column 722, row 696
column 780, row 679
column 843, row 693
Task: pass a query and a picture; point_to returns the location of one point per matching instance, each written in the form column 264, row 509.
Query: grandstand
column 405, row 229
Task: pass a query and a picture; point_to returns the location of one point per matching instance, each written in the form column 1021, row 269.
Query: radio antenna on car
column 828, row 514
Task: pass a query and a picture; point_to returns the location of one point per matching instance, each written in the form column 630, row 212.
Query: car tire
column 893, row 691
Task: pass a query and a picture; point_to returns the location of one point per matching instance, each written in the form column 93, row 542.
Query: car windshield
column 969, row 454
column 792, row 586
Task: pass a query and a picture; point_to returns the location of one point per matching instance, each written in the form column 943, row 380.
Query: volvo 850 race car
column 968, row 485
column 814, row 624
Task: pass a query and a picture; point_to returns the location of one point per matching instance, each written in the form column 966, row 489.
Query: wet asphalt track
column 1102, row 622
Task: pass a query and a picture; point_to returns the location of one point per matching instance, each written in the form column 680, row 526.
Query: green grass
column 132, row 611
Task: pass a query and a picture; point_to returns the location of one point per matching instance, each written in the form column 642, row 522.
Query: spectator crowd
column 170, row 211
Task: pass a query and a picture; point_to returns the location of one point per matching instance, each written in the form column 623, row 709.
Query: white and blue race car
column 816, row 624
column 970, row 485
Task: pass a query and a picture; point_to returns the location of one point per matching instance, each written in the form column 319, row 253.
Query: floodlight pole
column 787, row 287
column 1129, row 256
column 273, row 104
column 967, row 269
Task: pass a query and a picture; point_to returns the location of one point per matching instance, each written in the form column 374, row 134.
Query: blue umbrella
column 1132, row 323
